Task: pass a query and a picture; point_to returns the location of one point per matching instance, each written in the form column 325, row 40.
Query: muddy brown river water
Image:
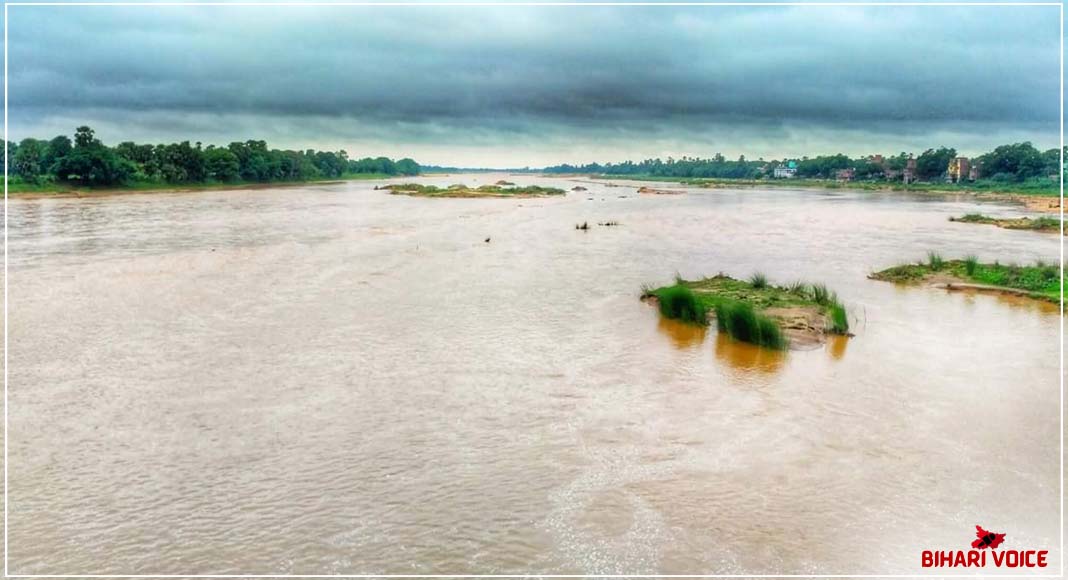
column 332, row 379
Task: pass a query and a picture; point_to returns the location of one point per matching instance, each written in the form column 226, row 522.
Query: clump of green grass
column 680, row 303
column 758, row 280
column 797, row 287
column 839, row 322
column 741, row 322
column 972, row 217
column 1045, row 222
column 462, row 190
column 821, row 294
column 1040, row 280
column 935, row 261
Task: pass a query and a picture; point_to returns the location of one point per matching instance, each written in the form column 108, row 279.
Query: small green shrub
column 680, row 303
column 741, row 322
column 935, row 261
column 839, row 319
column 971, row 262
column 1045, row 222
column 798, row 287
column 758, row 280
column 821, row 294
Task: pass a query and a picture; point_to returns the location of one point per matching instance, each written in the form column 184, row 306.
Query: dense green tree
column 221, row 164
column 91, row 163
column 29, row 162
column 933, row 163
column 58, row 148
column 407, row 166
column 1018, row 162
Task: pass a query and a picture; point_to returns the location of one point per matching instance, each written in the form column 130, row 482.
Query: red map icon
column 987, row 539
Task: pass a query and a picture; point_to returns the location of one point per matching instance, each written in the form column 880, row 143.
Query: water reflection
column 682, row 335
column 836, row 346
column 748, row 357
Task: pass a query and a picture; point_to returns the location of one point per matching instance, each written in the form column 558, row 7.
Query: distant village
column 959, row 169
column 1013, row 163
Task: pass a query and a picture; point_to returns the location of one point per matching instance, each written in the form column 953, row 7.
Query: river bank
column 1046, row 200
column 62, row 191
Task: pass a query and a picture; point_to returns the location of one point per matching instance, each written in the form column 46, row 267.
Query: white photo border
column 522, row 3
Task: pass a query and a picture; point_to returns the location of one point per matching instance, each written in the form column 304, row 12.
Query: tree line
column 1008, row 163
column 87, row 161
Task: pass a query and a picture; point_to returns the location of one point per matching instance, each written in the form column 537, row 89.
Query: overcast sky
column 514, row 86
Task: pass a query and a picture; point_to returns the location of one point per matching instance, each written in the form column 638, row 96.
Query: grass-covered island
column 755, row 311
column 1045, row 224
column 461, row 190
column 1040, row 281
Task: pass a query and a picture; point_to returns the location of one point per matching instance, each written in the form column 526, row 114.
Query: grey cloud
column 538, row 74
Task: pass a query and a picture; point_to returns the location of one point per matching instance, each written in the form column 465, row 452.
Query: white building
column 784, row 172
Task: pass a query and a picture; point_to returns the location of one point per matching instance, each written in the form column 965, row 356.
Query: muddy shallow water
column 337, row 380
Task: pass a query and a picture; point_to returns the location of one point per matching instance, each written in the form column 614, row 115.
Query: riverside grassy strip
column 1040, row 224
column 461, row 190
column 750, row 311
column 1040, row 280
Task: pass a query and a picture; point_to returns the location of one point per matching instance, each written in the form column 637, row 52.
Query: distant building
column 847, row 174
column 909, row 175
column 974, row 172
column 785, row 171
column 959, row 169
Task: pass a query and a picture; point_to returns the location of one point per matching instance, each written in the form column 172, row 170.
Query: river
column 335, row 380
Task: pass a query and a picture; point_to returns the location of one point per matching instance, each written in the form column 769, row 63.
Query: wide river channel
column 335, row 380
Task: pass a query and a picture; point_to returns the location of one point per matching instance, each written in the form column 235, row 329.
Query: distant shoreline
column 65, row 192
column 1040, row 201
column 1046, row 201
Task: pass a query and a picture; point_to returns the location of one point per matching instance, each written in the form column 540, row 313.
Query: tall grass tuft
column 935, row 261
column 798, row 287
column 741, row 322
column 759, row 280
column 821, row 294
column 680, row 303
column 971, row 263
column 839, row 319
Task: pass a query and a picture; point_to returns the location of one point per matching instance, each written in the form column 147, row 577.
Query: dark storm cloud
column 523, row 74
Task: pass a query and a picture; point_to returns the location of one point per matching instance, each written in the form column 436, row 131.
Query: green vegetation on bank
column 1017, row 168
column 1035, row 187
column 1040, row 224
column 461, row 190
column 1040, row 280
column 752, row 311
column 86, row 163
